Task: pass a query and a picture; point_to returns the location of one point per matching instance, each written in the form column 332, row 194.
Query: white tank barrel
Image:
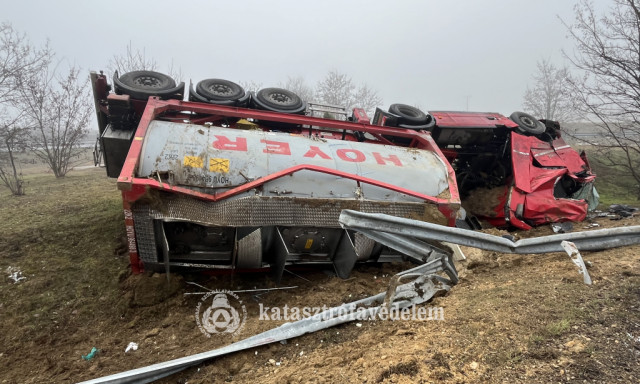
column 216, row 158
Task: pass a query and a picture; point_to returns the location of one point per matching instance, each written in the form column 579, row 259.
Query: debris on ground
column 564, row 227
column 91, row 354
column 575, row 256
column 131, row 347
column 15, row 274
column 622, row 210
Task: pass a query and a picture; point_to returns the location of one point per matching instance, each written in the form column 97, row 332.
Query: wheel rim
column 279, row 98
column 220, row 89
column 527, row 122
column 148, row 82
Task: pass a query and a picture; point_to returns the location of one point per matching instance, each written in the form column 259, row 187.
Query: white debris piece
column 131, row 347
column 458, row 255
column 15, row 274
column 575, row 256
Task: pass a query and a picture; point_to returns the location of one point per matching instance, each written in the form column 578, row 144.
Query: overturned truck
column 240, row 180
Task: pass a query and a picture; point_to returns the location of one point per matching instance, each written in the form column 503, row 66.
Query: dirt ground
column 512, row 318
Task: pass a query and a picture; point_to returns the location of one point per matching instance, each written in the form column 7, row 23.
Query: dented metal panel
column 217, row 158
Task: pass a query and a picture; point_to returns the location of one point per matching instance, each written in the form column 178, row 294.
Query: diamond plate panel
column 250, row 250
column 256, row 212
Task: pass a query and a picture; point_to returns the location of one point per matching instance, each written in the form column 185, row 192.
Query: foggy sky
column 437, row 54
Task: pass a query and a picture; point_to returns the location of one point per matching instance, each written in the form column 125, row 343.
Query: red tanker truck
column 230, row 179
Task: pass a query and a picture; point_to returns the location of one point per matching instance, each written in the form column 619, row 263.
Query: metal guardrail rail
column 409, row 236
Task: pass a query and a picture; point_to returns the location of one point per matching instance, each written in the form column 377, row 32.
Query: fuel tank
column 215, row 159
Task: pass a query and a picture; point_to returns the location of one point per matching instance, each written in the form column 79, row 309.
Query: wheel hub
column 527, row 121
column 280, row 98
column 220, row 89
column 147, row 81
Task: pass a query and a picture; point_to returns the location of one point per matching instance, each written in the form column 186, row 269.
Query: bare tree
column 135, row 59
column 250, row 86
column 12, row 139
column 608, row 52
column 57, row 108
column 551, row 96
column 18, row 60
column 336, row 89
column 299, row 87
column 132, row 60
column 368, row 99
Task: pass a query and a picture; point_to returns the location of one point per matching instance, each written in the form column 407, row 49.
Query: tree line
column 602, row 84
column 44, row 107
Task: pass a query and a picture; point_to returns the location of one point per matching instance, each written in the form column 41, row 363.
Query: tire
column 409, row 115
column 278, row 100
column 219, row 90
column 148, row 82
column 527, row 124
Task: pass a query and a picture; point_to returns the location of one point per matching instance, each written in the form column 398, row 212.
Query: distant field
column 614, row 186
column 29, row 163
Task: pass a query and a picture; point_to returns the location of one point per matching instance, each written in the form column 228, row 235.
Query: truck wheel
column 527, row 124
column 219, row 90
column 278, row 100
column 409, row 115
column 148, row 81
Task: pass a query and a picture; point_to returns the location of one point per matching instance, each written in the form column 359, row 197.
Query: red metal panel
column 521, row 161
column 134, row 259
column 471, row 119
column 542, row 207
column 571, row 158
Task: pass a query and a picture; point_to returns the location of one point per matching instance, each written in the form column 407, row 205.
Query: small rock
column 272, row 362
column 358, row 325
column 575, row 346
column 152, row 333
column 474, row 365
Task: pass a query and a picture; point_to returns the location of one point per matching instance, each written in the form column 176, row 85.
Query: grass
column 614, row 184
column 61, row 235
column 558, row 328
